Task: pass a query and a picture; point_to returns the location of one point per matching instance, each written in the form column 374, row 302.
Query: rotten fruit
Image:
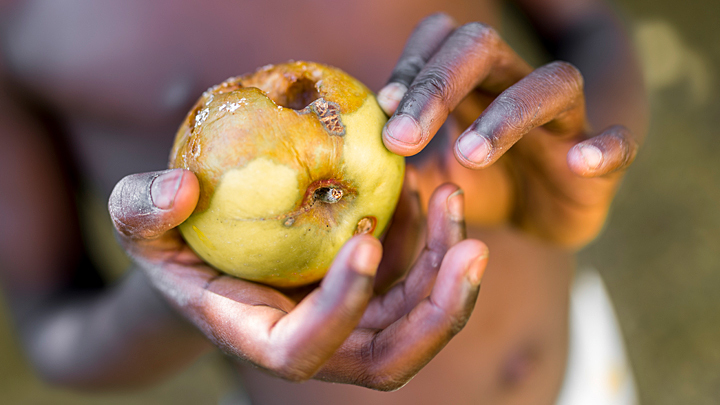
column 291, row 164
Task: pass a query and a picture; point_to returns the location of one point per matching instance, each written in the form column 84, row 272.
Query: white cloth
column 598, row 372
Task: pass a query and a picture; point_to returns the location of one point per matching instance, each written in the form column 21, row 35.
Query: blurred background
column 660, row 251
column 659, row 254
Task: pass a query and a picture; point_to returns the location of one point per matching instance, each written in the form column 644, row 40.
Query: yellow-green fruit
column 291, row 164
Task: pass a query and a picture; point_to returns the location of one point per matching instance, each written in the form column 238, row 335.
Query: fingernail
column 389, row 97
column 474, row 147
column 404, row 129
column 365, row 259
column 164, row 188
column 455, row 206
column 477, row 268
column 591, row 155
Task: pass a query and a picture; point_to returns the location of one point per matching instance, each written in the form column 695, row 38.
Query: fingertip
column 446, row 217
column 455, row 204
column 188, row 194
column 477, row 265
column 473, row 150
column 164, row 188
column 461, row 272
column 611, row 151
column 146, row 205
column 402, row 135
column 389, row 97
column 366, row 255
column 469, row 258
column 448, row 197
column 586, row 160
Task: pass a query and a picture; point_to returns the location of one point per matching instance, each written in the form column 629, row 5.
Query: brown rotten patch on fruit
column 290, row 159
column 329, row 115
column 308, row 97
column 366, row 225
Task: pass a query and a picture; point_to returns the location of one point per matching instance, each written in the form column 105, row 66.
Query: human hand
column 561, row 178
column 339, row 331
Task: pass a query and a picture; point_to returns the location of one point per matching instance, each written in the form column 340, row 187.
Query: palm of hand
column 338, row 331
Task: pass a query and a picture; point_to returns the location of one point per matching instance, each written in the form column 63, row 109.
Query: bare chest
column 144, row 60
column 123, row 74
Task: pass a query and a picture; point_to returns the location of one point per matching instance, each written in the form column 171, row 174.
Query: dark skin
column 549, row 200
column 568, row 174
column 294, row 340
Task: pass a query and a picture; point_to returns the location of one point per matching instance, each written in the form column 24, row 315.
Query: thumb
column 146, row 205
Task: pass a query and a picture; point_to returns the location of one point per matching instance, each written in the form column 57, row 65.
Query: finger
column 403, row 236
column 472, row 55
column 552, row 94
column 613, row 150
column 420, row 47
column 445, row 228
column 386, row 360
column 146, row 205
column 295, row 345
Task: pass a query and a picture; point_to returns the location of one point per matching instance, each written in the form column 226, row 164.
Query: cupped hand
column 563, row 174
column 339, row 331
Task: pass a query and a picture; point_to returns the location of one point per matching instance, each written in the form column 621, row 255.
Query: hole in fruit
column 285, row 92
column 329, row 195
column 366, row 225
column 300, row 94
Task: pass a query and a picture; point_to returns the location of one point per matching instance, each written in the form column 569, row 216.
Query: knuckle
column 435, row 251
column 435, row 83
column 517, row 112
column 375, row 375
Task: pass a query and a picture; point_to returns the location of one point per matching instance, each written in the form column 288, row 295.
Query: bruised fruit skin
column 291, row 164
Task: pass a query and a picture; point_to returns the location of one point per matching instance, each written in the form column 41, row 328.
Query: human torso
column 123, row 74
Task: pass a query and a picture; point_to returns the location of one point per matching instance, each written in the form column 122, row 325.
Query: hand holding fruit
column 283, row 183
column 325, row 334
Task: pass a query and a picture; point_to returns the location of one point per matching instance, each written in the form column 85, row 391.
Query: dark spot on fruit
column 366, row 225
column 328, row 195
column 329, row 115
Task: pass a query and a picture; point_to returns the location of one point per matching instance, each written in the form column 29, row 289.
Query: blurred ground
column 659, row 254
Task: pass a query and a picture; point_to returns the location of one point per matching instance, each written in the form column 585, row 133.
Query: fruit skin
column 284, row 185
